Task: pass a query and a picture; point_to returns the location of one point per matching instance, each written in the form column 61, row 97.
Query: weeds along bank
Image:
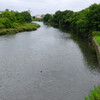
column 13, row 22
column 19, row 28
column 94, row 94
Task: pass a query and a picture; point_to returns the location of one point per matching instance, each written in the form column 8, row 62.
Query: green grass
column 19, row 28
column 96, row 35
column 98, row 39
column 95, row 94
column 37, row 19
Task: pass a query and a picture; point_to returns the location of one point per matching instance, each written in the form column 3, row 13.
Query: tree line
column 83, row 22
column 10, row 19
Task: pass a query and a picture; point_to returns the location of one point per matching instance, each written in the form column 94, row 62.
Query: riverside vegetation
column 95, row 95
column 85, row 23
column 96, row 35
column 13, row 22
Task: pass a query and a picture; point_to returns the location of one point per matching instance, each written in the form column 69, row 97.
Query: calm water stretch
column 47, row 64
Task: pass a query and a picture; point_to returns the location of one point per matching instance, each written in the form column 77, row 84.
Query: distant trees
column 9, row 19
column 27, row 16
column 82, row 22
column 47, row 18
column 93, row 16
column 33, row 17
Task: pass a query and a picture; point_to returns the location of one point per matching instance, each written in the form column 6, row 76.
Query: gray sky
column 45, row 6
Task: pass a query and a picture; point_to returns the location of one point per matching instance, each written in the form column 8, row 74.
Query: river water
column 47, row 64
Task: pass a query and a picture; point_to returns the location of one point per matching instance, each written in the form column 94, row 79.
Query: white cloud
column 43, row 6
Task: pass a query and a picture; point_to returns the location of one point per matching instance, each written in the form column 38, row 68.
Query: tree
column 9, row 14
column 27, row 16
column 94, row 17
column 19, row 18
column 47, row 18
column 5, row 23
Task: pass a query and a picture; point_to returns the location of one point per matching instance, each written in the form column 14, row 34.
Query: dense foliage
column 12, row 22
column 95, row 94
column 83, row 22
column 27, row 16
column 47, row 18
column 9, row 19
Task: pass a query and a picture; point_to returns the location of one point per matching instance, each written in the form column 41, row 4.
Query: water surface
column 47, row 64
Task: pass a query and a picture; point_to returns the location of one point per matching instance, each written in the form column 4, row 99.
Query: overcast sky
column 45, row 6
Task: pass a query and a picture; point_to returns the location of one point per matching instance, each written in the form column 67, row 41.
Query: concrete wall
column 97, row 47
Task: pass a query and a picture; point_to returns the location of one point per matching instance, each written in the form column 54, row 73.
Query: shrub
column 27, row 16
column 96, row 33
column 6, row 22
column 2, row 26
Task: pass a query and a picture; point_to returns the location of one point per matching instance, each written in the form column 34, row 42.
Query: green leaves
column 9, row 18
column 94, row 17
column 1, row 26
column 47, row 18
column 5, row 23
column 27, row 16
column 82, row 22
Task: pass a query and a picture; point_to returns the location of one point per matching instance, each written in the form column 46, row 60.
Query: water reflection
column 89, row 53
column 87, row 49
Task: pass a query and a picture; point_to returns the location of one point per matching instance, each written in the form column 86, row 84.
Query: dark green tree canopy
column 27, row 16
column 47, row 17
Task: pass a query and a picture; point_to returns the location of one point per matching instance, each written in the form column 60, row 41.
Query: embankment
column 97, row 47
column 19, row 28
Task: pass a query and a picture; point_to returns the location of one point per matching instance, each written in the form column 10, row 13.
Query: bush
column 2, row 26
column 96, row 33
column 9, row 19
column 27, row 16
column 47, row 18
column 5, row 22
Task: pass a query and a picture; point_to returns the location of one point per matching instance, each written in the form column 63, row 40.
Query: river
column 46, row 64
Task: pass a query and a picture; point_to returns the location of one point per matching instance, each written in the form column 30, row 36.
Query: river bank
column 96, row 42
column 19, row 28
column 97, row 48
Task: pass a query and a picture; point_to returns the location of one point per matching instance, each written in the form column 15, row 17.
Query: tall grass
column 19, row 28
column 95, row 94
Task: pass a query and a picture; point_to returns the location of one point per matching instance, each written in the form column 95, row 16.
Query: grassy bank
column 19, row 28
column 95, row 94
column 96, row 35
column 36, row 19
column 98, row 39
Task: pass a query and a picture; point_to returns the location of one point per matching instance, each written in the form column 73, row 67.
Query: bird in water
column 41, row 71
